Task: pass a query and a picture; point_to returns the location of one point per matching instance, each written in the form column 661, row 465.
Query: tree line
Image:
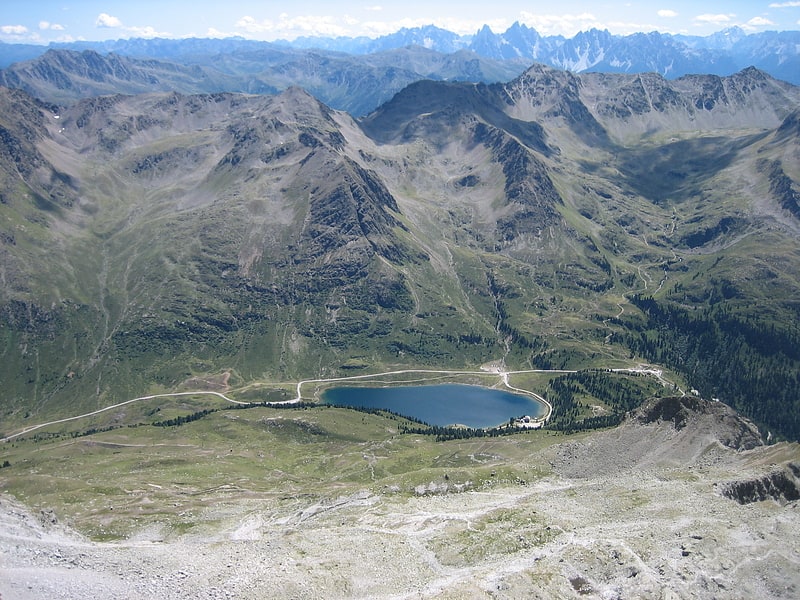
column 751, row 362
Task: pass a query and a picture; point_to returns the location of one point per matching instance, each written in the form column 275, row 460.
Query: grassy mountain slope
column 557, row 221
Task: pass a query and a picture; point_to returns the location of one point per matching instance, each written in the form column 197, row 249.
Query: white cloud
column 567, row 24
column 622, row 28
column 291, row 27
column 376, row 8
column 106, row 20
column 13, row 29
column 47, row 25
column 212, row 32
column 714, row 19
column 784, row 5
column 147, row 31
column 316, row 25
column 756, row 22
column 248, row 23
column 665, row 12
column 20, row 33
column 454, row 24
column 467, row 26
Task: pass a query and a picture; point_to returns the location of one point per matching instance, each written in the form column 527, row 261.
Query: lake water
column 445, row 404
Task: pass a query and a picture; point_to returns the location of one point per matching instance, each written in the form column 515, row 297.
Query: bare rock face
column 730, row 429
column 782, row 485
column 662, row 433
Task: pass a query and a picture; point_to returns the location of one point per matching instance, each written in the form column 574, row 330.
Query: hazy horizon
column 49, row 21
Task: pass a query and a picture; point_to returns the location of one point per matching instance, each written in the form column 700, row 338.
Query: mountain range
column 557, row 220
column 722, row 53
column 359, row 74
column 356, row 84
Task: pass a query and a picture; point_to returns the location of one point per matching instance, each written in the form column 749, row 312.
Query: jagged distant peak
column 728, row 36
column 594, row 33
column 518, row 29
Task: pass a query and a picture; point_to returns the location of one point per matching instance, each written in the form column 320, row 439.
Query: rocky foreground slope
column 643, row 510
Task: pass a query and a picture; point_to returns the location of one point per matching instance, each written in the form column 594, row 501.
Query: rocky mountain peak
column 717, row 418
column 297, row 104
column 727, row 38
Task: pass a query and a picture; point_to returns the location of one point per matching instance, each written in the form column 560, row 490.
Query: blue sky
column 43, row 21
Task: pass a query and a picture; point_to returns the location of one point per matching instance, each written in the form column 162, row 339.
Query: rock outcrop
column 717, row 418
column 662, row 433
column 781, row 485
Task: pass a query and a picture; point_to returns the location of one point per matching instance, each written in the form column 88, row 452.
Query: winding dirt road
column 502, row 374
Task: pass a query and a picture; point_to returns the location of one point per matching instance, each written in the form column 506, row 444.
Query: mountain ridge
column 356, row 84
column 721, row 53
column 361, row 80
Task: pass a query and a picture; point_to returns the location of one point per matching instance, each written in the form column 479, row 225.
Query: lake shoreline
column 444, row 404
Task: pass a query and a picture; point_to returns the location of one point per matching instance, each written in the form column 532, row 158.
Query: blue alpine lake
column 444, row 404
